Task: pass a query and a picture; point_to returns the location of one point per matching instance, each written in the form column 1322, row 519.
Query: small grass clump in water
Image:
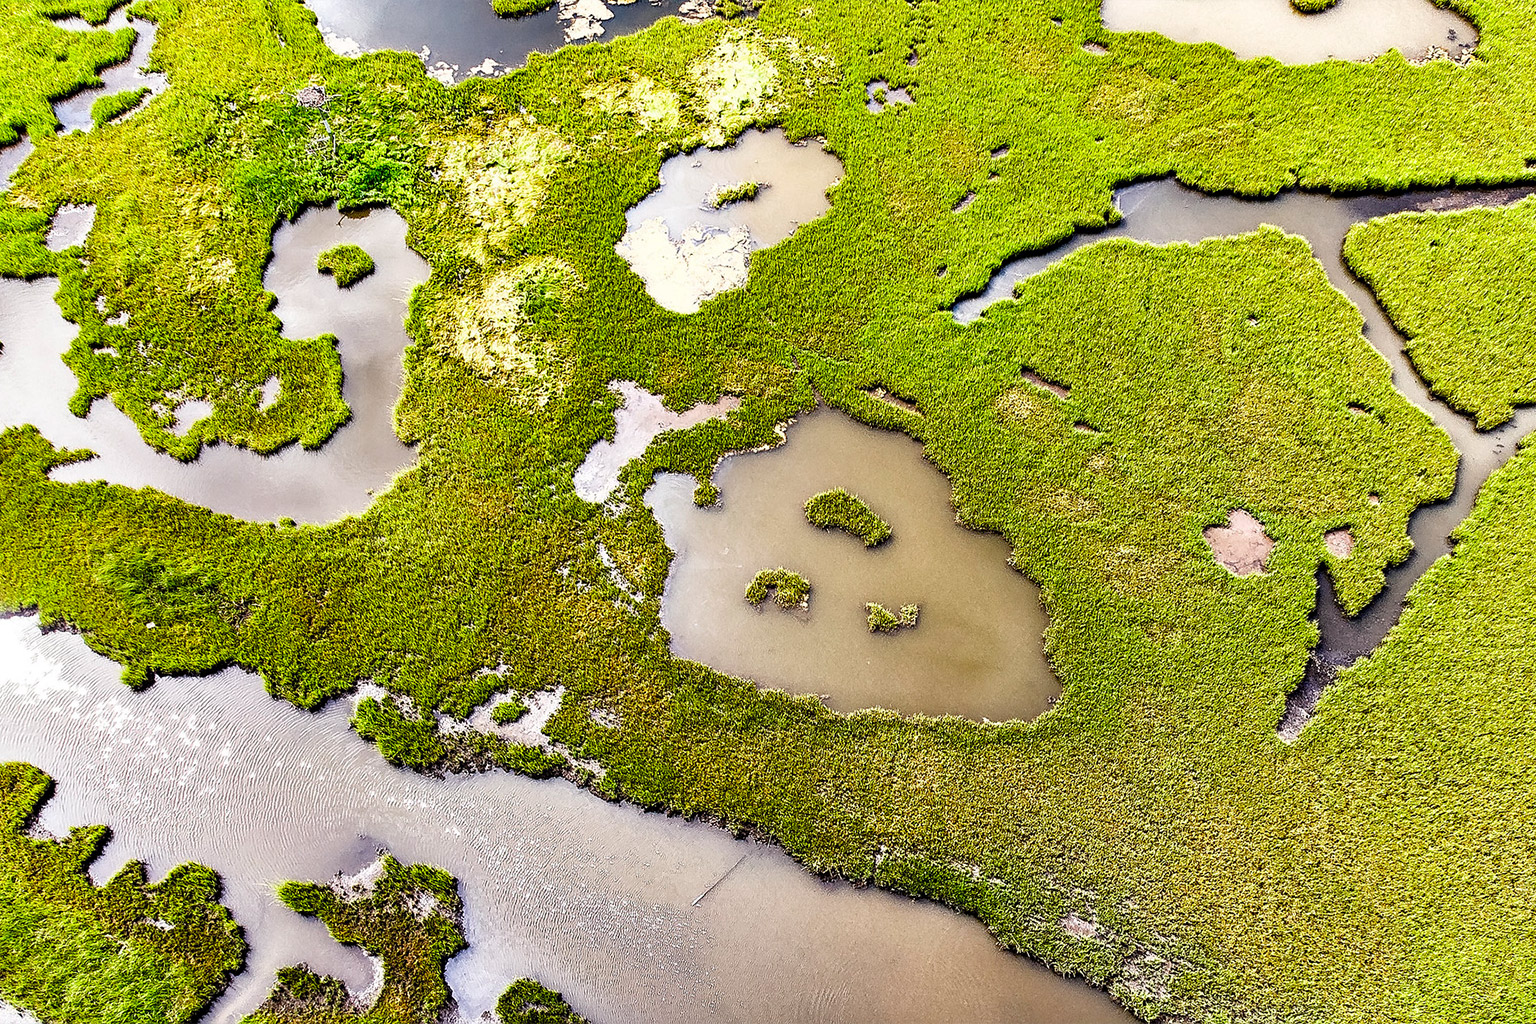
column 789, row 589
column 348, row 263
column 839, row 509
column 883, row 620
column 744, row 192
column 72, row 952
column 109, row 108
column 409, row 917
column 516, row 8
column 527, row 1002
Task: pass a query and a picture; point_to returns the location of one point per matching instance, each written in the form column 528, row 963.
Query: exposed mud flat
column 1161, row 212
column 1350, row 30
column 340, row 478
column 600, row 901
column 978, row 648
column 688, row 248
column 637, row 422
column 1241, row 546
column 457, row 39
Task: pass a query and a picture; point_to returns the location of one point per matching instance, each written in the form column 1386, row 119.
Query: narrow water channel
column 977, row 648
column 595, row 899
column 1161, row 212
column 340, row 478
column 74, row 113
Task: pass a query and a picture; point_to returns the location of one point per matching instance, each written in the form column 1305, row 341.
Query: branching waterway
column 1162, row 212
column 598, row 900
column 338, row 479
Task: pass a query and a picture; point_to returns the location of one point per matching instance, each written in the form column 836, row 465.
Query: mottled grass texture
column 838, row 509
column 789, row 589
column 75, row 953
column 406, row 916
column 1227, row 876
column 527, row 1002
column 1459, row 286
column 348, row 264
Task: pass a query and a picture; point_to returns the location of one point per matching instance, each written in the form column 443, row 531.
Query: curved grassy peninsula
column 1150, row 834
column 838, row 509
column 789, row 588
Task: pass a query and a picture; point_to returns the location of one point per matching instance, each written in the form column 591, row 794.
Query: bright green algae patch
column 348, row 264
column 1153, row 803
column 1460, row 287
column 75, row 953
column 837, row 509
column 789, row 588
column 408, row 916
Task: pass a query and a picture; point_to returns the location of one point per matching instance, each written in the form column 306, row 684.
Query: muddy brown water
column 1161, row 212
column 977, row 648
column 1350, row 30
column 340, row 478
column 595, row 899
column 459, row 36
column 687, row 250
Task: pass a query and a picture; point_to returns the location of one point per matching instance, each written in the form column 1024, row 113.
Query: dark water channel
column 340, row 478
column 1162, row 212
column 457, row 38
column 598, row 900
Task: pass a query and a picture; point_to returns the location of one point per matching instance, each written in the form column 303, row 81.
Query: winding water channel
column 598, row 900
column 1164, row 211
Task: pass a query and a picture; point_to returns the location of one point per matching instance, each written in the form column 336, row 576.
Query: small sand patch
column 1340, row 543
column 1241, row 546
column 1061, row 391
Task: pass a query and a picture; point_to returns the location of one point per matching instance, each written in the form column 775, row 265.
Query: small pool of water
column 977, row 649
column 459, row 38
column 341, row 478
column 688, row 245
column 598, row 900
column 1350, row 30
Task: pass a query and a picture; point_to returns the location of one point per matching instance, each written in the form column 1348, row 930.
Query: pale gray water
column 638, row 421
column 341, row 478
column 595, row 899
column 1350, row 30
column 1163, row 211
column 687, row 249
column 977, row 649
column 74, row 113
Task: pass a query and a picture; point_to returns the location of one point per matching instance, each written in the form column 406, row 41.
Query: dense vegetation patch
column 527, row 1002
column 407, row 916
column 883, row 620
column 1224, row 875
column 349, row 264
column 75, row 953
column 115, row 105
column 789, row 589
column 743, row 192
column 839, row 509
column 1459, row 286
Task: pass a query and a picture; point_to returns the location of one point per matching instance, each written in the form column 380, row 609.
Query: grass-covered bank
column 1458, row 286
column 75, row 953
column 1223, row 875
